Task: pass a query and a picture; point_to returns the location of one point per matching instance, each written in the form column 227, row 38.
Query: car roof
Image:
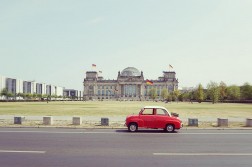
column 148, row 107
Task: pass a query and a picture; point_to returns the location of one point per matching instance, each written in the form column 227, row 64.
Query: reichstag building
column 129, row 85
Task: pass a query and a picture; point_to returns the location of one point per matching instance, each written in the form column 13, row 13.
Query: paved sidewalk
column 112, row 118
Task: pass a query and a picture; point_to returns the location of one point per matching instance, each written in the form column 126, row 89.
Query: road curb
column 65, row 127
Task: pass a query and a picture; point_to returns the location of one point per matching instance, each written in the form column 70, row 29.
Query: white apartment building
column 54, row 90
column 16, row 86
column 2, row 84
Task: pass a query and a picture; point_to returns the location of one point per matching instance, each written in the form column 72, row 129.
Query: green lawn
column 116, row 108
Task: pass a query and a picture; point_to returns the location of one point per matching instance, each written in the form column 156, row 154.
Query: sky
column 57, row 41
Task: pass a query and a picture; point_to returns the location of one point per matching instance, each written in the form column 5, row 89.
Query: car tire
column 132, row 127
column 169, row 128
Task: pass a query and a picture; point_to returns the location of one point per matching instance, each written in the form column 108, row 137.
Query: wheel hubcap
column 132, row 127
column 169, row 128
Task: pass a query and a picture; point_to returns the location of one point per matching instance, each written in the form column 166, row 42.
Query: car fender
column 176, row 123
column 136, row 120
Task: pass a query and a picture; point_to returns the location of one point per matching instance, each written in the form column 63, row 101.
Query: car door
column 148, row 118
column 161, row 118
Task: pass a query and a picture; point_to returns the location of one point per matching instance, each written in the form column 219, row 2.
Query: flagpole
column 170, row 67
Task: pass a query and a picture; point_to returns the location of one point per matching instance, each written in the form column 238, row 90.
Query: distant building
column 130, row 84
column 27, row 87
column 2, row 82
column 17, row 86
column 72, row 94
column 186, row 89
column 10, row 85
column 41, row 88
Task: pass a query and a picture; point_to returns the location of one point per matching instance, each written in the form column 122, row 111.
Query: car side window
column 147, row 111
column 160, row 112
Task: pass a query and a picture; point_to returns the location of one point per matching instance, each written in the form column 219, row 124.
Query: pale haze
column 57, row 41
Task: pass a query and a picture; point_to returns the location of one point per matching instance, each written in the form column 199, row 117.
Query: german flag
column 148, row 82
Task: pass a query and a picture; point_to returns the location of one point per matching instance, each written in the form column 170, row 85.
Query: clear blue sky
column 57, row 41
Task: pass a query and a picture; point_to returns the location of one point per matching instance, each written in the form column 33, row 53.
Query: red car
column 154, row 117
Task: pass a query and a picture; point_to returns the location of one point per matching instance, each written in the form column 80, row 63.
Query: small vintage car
column 154, row 117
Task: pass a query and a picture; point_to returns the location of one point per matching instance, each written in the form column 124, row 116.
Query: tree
column 233, row 92
column 164, row 93
column 21, row 95
column 28, row 95
column 39, row 96
column 213, row 91
column 169, row 98
column 184, row 96
column 4, row 92
column 34, row 95
column 192, row 95
column 246, row 91
column 153, row 93
column 200, row 93
column 176, row 94
column 223, row 91
column 9, row 94
column 44, row 96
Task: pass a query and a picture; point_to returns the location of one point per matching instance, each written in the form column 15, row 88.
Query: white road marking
column 16, row 151
column 40, row 132
column 101, row 132
column 203, row 154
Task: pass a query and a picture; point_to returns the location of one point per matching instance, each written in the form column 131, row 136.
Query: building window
column 170, row 88
column 130, row 90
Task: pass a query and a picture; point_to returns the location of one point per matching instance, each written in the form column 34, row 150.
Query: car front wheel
column 169, row 128
column 132, row 127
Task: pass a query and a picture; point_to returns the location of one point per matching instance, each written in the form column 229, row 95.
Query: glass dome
column 130, row 72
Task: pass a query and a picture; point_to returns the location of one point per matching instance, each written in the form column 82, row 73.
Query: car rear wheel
column 169, row 128
column 132, row 127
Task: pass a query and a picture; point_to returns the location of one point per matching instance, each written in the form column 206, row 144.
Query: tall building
column 17, row 86
column 11, row 85
column 29, row 87
column 54, row 90
column 2, row 84
column 130, row 84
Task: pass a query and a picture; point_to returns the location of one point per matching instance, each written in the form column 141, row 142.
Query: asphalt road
column 52, row 147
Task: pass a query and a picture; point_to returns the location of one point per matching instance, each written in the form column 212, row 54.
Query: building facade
column 72, row 94
column 130, row 84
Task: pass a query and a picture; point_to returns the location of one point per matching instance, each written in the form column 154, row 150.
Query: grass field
column 116, row 108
